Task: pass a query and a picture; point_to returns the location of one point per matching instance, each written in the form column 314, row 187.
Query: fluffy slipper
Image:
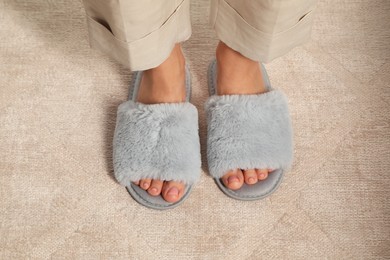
column 247, row 132
column 157, row 141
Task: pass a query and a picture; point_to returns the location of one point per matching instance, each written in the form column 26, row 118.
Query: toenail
column 251, row 180
column 154, row 190
column 173, row 191
column 262, row 175
column 232, row 179
column 145, row 185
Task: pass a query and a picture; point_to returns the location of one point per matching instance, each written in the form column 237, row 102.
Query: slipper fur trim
column 248, row 131
column 158, row 141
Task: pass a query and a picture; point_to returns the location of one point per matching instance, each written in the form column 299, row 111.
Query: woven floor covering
column 58, row 102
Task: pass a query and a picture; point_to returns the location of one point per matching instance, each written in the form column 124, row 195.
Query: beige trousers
column 140, row 34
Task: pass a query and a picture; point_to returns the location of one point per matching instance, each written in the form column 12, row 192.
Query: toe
column 172, row 191
column 262, row 174
column 155, row 187
column 145, row 183
column 250, row 176
column 136, row 182
column 233, row 179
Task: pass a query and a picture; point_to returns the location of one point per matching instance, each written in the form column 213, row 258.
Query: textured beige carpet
column 58, row 198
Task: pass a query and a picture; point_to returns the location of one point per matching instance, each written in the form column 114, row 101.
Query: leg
column 145, row 35
column 253, row 32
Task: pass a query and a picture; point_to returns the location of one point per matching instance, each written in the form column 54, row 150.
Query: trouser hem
column 234, row 31
column 147, row 52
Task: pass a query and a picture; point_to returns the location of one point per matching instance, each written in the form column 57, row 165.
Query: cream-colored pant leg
column 262, row 30
column 140, row 34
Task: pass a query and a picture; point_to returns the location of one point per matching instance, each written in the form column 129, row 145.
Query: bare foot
column 164, row 84
column 239, row 75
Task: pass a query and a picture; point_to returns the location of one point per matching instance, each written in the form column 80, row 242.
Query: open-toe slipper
column 157, row 141
column 248, row 132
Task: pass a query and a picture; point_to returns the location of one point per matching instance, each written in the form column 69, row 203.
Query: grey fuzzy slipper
column 157, row 141
column 247, row 132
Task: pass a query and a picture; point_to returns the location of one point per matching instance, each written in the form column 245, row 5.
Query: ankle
column 172, row 68
column 166, row 82
column 237, row 74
